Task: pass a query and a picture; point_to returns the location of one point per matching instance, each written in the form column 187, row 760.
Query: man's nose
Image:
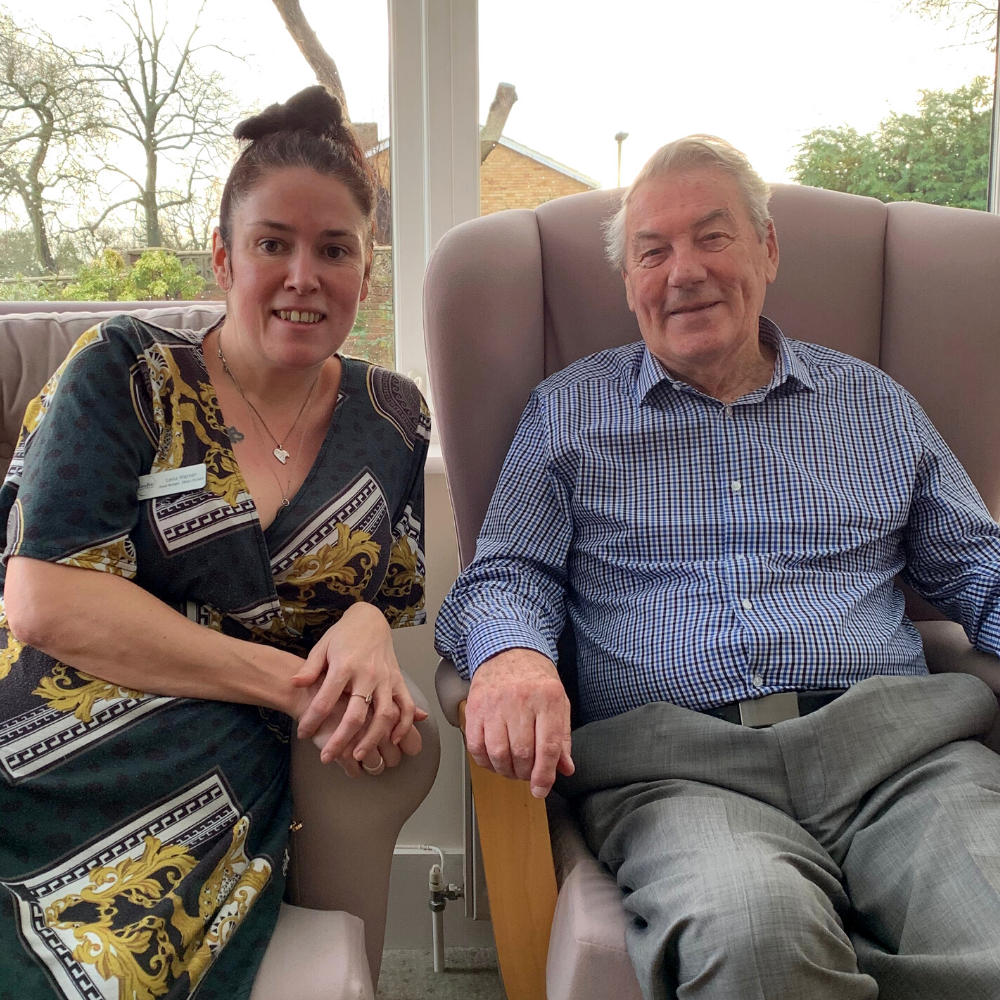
column 302, row 275
column 686, row 267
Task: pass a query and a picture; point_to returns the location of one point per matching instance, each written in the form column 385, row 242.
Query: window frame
column 434, row 150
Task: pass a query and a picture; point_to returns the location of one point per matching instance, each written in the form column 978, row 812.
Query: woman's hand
column 357, row 658
column 411, row 744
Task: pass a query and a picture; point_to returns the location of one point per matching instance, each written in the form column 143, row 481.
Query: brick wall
column 512, row 180
column 506, row 180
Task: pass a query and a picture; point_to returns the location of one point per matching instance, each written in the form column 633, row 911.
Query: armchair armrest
column 948, row 650
column 342, row 854
column 517, row 858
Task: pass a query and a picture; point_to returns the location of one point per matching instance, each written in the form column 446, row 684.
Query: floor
column 470, row 974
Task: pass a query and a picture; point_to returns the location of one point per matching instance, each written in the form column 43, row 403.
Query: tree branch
column 309, row 45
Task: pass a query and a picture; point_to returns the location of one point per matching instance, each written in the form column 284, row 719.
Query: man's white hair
column 692, row 152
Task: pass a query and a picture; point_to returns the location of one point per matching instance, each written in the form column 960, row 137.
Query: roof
column 548, row 162
column 516, row 147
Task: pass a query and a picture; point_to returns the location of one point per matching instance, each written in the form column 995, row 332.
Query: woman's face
column 296, row 269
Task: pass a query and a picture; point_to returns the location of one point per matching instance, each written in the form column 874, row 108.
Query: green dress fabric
column 143, row 839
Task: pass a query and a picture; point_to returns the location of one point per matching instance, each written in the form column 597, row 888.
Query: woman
column 209, row 534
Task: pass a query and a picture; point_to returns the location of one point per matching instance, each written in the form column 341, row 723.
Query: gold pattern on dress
column 117, row 557
column 39, row 406
column 11, row 653
column 403, row 573
column 187, row 408
column 67, row 689
column 140, row 955
column 344, row 567
column 147, row 955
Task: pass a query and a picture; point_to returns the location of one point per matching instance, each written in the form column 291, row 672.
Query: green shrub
column 155, row 276
column 158, row 274
column 30, row 291
column 102, row 280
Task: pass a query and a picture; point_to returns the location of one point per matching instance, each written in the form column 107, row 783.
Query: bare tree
column 163, row 100
column 327, row 74
column 50, row 119
column 312, row 50
column 978, row 17
column 188, row 224
column 500, row 107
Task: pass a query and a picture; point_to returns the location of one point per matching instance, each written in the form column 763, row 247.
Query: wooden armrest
column 520, row 876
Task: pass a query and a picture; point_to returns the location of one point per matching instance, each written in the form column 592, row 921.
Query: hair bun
column 313, row 110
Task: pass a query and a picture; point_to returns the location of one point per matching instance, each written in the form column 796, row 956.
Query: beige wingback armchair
column 328, row 941
column 513, row 297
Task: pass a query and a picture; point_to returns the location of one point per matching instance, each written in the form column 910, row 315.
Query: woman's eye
column 335, row 253
column 270, row 246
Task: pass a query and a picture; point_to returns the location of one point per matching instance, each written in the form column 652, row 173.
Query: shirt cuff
column 489, row 638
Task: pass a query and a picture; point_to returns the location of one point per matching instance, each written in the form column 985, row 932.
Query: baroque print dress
column 143, row 839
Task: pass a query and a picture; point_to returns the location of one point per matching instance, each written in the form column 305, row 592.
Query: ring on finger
column 377, row 769
column 367, row 697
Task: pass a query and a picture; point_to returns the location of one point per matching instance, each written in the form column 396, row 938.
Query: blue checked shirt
column 706, row 553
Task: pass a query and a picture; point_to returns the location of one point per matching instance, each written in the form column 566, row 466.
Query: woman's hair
column 684, row 154
column 308, row 130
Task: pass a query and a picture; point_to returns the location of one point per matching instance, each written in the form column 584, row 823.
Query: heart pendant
column 281, row 455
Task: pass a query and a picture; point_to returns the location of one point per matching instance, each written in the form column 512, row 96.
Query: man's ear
column 220, row 261
column 628, row 291
column 773, row 255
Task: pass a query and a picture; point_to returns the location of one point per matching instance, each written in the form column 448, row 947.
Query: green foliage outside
column 31, row 291
column 940, row 155
column 156, row 275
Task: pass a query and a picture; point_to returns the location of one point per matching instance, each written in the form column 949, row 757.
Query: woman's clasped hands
column 354, row 660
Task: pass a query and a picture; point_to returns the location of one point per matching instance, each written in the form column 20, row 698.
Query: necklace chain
column 279, row 452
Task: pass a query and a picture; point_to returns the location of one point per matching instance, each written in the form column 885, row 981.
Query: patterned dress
column 143, row 839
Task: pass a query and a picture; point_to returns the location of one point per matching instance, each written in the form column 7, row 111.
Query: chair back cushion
column 514, row 297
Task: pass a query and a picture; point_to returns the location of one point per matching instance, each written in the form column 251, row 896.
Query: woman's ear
column 221, row 264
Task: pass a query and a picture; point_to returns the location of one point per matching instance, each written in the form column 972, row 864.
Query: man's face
column 696, row 271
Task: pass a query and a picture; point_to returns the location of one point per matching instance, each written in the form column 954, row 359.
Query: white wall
column 439, row 819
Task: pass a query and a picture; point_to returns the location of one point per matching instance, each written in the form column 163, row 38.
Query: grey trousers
column 847, row 855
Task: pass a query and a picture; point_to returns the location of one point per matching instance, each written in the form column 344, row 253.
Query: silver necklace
column 279, row 452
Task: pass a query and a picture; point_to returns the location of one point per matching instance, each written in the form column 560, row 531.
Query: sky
column 760, row 73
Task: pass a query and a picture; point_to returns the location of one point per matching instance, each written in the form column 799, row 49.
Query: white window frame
column 434, row 150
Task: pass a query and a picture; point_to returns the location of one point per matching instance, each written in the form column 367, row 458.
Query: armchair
column 514, row 297
column 328, row 941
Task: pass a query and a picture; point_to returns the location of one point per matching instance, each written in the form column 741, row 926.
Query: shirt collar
column 788, row 365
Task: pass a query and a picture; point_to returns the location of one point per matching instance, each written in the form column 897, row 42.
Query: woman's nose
column 302, row 275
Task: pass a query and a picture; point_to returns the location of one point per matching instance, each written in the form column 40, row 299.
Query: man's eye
column 716, row 241
column 650, row 258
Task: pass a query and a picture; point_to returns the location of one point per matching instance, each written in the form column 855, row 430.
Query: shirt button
column 727, row 412
column 747, row 603
column 736, row 485
column 757, row 680
column 676, row 385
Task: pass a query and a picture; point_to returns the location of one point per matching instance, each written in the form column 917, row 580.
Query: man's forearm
column 110, row 627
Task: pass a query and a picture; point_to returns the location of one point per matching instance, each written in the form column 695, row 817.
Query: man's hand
column 517, row 719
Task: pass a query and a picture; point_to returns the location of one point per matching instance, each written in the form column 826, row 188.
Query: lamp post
column 620, row 137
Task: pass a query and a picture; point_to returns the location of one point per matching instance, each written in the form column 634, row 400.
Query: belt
column 758, row 713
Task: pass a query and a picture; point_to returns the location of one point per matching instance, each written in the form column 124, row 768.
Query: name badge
column 163, row 484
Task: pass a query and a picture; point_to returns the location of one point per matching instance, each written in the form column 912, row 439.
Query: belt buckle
column 758, row 713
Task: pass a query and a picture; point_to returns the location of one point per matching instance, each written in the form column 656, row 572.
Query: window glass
column 83, row 223
column 888, row 98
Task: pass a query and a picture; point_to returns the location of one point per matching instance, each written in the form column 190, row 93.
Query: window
column 109, row 188
column 877, row 97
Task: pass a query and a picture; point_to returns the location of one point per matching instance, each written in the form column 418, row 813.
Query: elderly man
column 792, row 806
